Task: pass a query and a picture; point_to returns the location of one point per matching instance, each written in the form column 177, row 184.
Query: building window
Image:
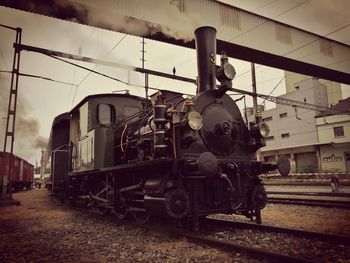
column 267, row 119
column 180, row 4
column 326, row 47
column 285, row 135
column 338, row 131
column 283, row 115
column 283, row 34
column 270, row 138
column 230, row 17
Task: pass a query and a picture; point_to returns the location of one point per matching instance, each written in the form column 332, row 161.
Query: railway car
column 22, row 172
column 58, row 148
column 181, row 158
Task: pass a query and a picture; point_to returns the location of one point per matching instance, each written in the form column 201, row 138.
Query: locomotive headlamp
column 264, row 130
column 195, row 120
column 229, row 71
column 261, row 130
column 225, row 72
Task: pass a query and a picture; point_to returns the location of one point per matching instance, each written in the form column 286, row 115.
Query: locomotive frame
column 167, row 156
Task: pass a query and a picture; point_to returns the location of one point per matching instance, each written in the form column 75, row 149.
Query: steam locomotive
column 182, row 158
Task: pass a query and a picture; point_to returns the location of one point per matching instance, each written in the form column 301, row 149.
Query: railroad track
column 308, row 193
column 309, row 202
column 275, row 229
column 264, row 254
column 251, row 250
column 208, row 237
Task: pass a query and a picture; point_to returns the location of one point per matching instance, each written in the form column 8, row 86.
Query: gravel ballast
column 41, row 230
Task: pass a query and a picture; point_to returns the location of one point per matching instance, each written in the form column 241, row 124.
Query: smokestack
column 206, row 54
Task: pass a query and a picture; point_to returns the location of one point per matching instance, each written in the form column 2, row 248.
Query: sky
column 39, row 101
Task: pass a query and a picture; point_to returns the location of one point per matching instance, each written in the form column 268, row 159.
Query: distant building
column 334, row 93
column 334, row 137
column 313, row 142
column 293, row 130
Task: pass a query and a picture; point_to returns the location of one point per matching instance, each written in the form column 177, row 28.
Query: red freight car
column 22, row 172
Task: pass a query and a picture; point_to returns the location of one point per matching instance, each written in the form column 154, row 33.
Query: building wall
column 333, row 155
column 309, row 153
column 290, row 127
column 326, row 125
column 292, row 78
column 334, row 93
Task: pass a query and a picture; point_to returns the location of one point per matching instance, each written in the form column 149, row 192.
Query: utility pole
column 257, row 112
column 11, row 115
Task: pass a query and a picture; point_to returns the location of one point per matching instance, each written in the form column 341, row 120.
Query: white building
column 293, row 130
column 334, row 137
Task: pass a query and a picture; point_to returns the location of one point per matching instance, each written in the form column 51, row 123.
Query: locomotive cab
column 92, row 134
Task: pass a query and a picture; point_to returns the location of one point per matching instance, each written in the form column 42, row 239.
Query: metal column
column 11, row 112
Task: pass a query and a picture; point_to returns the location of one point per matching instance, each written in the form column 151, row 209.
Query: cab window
column 106, row 114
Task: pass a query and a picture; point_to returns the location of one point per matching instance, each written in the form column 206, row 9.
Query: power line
column 264, row 22
column 39, row 77
column 318, row 38
column 274, row 89
column 248, row 71
column 262, row 6
column 253, row 29
column 87, row 75
column 105, row 55
column 3, row 58
column 85, row 68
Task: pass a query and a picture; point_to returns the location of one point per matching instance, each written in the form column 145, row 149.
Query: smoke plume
column 110, row 16
column 27, row 139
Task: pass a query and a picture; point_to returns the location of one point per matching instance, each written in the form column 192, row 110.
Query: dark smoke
column 97, row 16
column 27, row 139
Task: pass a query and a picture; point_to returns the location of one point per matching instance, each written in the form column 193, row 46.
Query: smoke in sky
column 27, row 138
column 95, row 14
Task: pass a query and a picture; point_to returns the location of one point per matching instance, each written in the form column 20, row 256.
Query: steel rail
column 291, row 231
column 330, row 194
column 214, row 242
column 250, row 251
column 308, row 202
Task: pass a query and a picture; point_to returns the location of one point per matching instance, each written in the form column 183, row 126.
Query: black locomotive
column 166, row 156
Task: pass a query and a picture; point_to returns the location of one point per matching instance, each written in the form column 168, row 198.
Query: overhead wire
column 39, row 77
column 263, row 23
column 262, row 6
column 3, row 58
column 274, row 89
column 284, row 12
column 75, row 70
column 117, row 44
column 296, row 49
column 88, row 69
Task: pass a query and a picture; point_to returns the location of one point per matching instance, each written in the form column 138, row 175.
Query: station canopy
column 244, row 35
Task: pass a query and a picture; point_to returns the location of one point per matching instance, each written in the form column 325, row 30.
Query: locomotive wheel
column 103, row 210
column 141, row 217
column 121, row 212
